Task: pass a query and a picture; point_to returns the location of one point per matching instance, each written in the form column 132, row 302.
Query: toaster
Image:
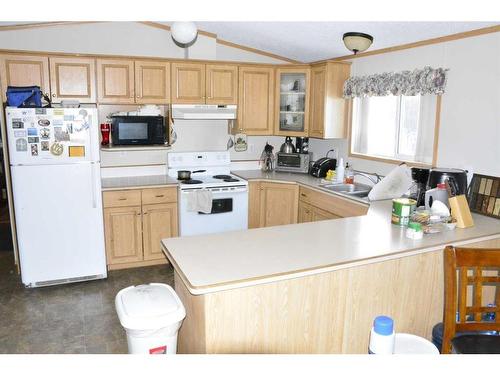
column 321, row 166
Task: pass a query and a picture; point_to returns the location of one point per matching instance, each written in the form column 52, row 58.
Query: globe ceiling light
column 184, row 33
column 357, row 42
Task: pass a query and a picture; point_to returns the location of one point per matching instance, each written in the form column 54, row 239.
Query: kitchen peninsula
column 311, row 287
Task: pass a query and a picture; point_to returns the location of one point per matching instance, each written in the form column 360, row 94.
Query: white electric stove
column 229, row 192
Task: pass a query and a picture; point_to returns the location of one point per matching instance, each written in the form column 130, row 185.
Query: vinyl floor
column 71, row 318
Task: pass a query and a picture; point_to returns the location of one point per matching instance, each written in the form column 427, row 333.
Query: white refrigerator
column 56, row 183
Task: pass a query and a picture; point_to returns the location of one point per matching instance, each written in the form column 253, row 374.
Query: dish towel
column 394, row 185
column 199, row 201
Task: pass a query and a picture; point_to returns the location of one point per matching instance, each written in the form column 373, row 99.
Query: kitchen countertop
column 136, row 182
column 216, row 262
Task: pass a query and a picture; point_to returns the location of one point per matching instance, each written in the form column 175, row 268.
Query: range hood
column 203, row 112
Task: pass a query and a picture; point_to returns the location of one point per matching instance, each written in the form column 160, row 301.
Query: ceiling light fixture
column 184, row 33
column 357, row 42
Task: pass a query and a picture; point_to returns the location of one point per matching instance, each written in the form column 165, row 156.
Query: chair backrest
column 464, row 267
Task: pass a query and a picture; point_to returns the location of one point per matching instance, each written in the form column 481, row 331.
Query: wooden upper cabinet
column 318, row 98
column 188, row 83
column 20, row 70
column 255, row 100
column 115, row 81
column 152, row 82
column 221, row 84
column 72, row 79
column 292, row 101
column 328, row 107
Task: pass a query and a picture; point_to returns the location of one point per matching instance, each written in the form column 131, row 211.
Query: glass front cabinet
column 292, row 100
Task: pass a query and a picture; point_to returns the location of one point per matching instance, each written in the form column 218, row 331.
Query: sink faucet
column 373, row 177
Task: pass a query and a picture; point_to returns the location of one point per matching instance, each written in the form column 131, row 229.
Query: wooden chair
column 462, row 261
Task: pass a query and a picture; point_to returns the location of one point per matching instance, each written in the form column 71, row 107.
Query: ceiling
column 312, row 41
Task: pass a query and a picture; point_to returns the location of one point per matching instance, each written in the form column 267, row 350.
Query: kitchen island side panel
column 330, row 312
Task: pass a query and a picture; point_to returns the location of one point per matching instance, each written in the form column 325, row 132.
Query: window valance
column 409, row 83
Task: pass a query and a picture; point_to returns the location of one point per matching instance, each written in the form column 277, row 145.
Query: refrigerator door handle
column 93, row 187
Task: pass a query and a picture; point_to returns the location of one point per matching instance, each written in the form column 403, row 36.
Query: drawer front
column 121, row 198
column 338, row 206
column 159, row 195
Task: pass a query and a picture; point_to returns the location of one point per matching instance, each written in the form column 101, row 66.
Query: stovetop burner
column 192, row 182
column 230, row 179
column 223, row 177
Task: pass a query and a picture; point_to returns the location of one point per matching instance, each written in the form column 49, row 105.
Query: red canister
column 105, row 130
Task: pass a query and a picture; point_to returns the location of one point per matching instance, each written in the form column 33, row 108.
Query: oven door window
column 220, row 206
column 133, row 131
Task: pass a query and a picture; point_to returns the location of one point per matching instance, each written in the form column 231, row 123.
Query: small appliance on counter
column 457, row 178
column 287, row 147
column 420, row 177
column 302, row 145
column 321, row 166
column 297, row 163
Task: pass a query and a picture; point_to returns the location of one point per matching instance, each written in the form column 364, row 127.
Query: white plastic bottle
column 382, row 336
column 340, row 171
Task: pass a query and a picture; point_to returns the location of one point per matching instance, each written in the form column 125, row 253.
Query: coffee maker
column 420, row 177
column 302, row 145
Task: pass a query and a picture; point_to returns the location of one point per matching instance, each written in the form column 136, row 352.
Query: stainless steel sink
column 357, row 190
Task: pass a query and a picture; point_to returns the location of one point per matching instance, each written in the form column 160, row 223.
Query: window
column 394, row 127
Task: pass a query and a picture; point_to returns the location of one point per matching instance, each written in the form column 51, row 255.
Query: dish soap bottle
column 349, row 174
column 340, row 171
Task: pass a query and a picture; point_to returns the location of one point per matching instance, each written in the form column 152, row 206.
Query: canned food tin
column 402, row 209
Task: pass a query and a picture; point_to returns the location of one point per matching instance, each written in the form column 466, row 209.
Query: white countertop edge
column 293, row 275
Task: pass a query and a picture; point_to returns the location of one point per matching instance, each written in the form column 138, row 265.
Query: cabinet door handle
column 139, row 214
column 122, row 199
column 303, row 195
column 160, row 196
column 53, row 95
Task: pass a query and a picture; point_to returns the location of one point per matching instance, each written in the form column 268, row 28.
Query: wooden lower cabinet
column 272, row 203
column 308, row 213
column 305, row 213
column 123, row 226
column 159, row 221
column 134, row 223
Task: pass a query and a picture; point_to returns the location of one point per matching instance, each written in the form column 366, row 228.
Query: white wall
column 469, row 134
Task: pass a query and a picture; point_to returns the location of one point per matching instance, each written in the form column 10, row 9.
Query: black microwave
column 138, row 130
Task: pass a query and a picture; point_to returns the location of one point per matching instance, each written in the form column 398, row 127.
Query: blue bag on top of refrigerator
column 24, row 97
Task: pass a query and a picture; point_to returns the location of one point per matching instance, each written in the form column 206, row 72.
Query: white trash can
column 406, row 343
column 151, row 315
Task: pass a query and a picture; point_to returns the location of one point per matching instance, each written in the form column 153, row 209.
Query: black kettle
column 287, row 147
